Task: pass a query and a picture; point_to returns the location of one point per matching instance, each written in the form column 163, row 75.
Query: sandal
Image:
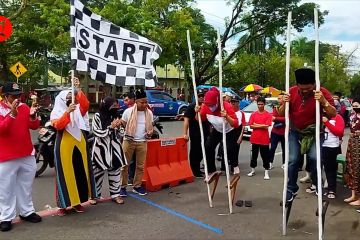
column 61, row 212
column 311, row 189
column 118, row 200
column 331, row 195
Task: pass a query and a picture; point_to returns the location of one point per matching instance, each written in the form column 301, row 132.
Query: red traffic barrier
column 166, row 164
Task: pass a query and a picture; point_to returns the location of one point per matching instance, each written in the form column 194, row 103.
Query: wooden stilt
column 213, row 178
column 233, row 184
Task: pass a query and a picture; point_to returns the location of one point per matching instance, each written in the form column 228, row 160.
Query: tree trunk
column 46, row 71
column 3, row 68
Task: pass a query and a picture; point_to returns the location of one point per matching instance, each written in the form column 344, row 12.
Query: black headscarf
column 107, row 115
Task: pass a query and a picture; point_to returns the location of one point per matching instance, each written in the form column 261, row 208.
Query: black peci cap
column 11, row 88
column 140, row 93
column 305, row 76
column 235, row 99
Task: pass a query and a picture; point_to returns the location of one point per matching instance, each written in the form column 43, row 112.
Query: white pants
column 16, row 179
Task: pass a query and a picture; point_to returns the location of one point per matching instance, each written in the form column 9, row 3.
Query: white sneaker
column 305, row 179
column 271, row 166
column 266, row 176
column 236, row 170
column 252, row 173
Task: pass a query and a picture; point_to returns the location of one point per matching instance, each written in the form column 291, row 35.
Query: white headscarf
column 59, row 110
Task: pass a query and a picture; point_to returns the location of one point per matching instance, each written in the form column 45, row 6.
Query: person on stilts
column 302, row 114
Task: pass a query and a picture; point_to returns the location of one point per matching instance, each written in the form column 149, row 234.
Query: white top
column 140, row 132
column 217, row 123
column 330, row 139
column 87, row 122
column 239, row 116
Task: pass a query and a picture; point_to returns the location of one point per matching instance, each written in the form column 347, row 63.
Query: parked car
column 224, row 89
column 162, row 103
column 252, row 107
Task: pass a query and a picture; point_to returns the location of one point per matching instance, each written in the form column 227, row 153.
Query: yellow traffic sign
column 18, row 69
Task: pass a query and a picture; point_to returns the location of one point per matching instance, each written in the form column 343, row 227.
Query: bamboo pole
column 199, row 117
column 224, row 133
column 317, row 131
column 287, row 77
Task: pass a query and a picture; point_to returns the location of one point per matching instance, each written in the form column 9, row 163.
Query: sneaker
column 79, row 208
column 199, row 175
column 290, row 196
column 139, row 190
column 266, row 176
column 5, row 226
column 123, row 192
column 34, row 218
column 358, row 210
column 271, row 166
column 250, row 174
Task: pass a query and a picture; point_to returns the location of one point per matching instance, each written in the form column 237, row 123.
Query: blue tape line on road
column 170, row 211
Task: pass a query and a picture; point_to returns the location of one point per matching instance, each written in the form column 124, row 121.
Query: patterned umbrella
column 273, row 91
column 251, row 88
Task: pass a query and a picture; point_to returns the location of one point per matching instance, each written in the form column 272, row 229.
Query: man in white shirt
column 138, row 122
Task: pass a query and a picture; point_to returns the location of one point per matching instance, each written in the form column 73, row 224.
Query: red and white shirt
column 216, row 120
column 15, row 139
column 334, row 130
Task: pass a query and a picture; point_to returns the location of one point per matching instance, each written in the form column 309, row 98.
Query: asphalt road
column 183, row 212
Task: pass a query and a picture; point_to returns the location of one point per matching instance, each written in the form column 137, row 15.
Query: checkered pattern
column 114, row 67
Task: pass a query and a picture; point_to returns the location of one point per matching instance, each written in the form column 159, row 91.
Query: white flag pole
column 317, row 131
column 72, row 72
column 224, row 133
column 199, row 117
column 287, row 77
column 72, row 96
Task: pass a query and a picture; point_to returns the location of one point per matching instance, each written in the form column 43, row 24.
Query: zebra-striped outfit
column 107, row 155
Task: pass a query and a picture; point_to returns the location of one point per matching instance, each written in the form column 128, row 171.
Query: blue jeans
column 294, row 163
column 274, row 140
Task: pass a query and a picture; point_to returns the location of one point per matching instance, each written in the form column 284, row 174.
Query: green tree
column 267, row 69
column 306, row 49
column 253, row 20
column 333, row 73
column 355, row 85
column 40, row 30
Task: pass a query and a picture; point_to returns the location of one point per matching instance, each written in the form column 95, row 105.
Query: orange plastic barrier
column 166, row 164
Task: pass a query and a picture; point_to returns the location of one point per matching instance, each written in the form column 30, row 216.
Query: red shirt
column 15, row 139
column 260, row 135
column 278, row 119
column 302, row 114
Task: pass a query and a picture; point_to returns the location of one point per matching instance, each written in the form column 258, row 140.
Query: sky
column 341, row 27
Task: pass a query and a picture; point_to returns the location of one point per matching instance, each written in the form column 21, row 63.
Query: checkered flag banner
column 110, row 53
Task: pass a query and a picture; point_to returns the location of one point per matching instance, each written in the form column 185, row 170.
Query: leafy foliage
column 39, row 31
column 41, row 38
column 355, row 85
